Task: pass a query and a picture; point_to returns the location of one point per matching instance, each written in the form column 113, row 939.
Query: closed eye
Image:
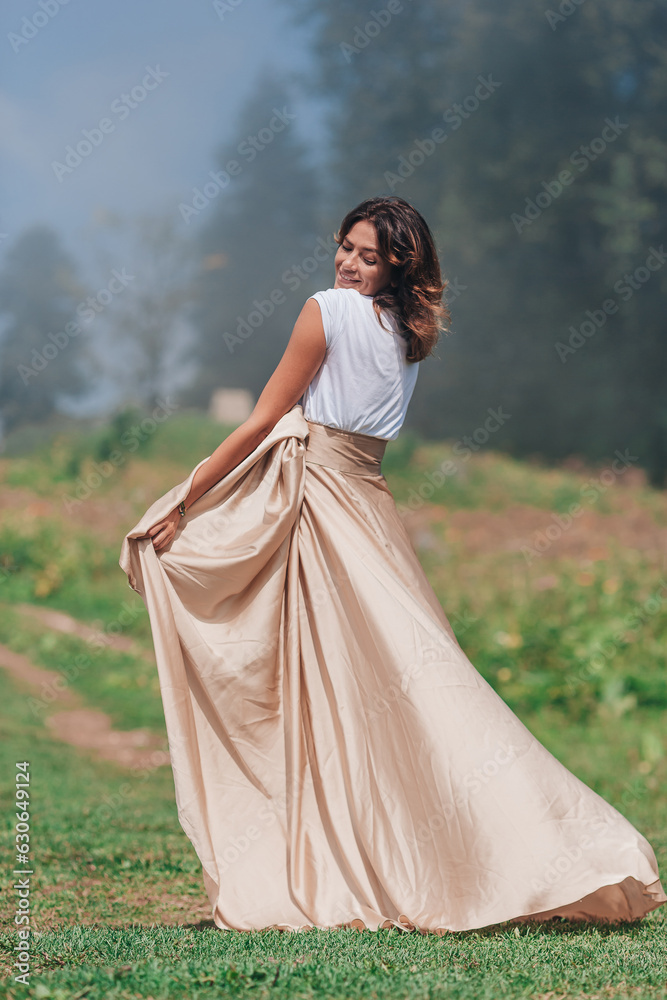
column 366, row 261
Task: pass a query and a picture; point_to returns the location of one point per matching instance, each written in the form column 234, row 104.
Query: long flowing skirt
column 337, row 759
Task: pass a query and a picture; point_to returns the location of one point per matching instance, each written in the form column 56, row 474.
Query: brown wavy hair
column 415, row 291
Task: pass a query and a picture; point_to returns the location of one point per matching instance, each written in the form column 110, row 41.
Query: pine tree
column 532, row 253
column 258, row 235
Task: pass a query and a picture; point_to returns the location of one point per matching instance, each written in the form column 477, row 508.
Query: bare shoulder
column 296, row 369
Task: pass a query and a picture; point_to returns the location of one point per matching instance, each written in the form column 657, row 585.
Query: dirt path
column 86, row 728
column 61, row 622
column 591, row 535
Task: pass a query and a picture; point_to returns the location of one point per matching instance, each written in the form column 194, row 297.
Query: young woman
column 337, row 758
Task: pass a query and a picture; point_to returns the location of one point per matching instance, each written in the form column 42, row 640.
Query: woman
column 337, row 758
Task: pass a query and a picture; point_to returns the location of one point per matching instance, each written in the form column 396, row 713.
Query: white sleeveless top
column 364, row 383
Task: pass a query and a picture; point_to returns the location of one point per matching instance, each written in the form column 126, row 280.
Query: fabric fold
column 337, row 759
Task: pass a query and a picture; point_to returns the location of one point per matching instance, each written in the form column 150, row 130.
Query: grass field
column 561, row 609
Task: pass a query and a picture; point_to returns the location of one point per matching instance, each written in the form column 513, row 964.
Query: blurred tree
column 42, row 348
column 152, row 337
column 520, row 93
column 384, row 80
column 258, row 236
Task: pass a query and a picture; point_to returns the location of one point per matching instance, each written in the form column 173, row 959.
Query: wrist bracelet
column 181, row 508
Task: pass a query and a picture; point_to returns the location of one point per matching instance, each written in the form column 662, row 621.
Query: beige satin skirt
column 337, row 758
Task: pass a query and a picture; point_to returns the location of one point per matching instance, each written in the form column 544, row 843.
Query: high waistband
column 347, row 451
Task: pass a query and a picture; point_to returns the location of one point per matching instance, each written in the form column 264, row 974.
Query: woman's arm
column 298, row 366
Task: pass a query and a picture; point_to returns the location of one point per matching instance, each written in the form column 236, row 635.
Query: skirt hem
column 653, row 897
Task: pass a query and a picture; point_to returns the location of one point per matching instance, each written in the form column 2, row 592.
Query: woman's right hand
column 163, row 531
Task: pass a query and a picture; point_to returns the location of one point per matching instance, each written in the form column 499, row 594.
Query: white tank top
column 364, row 383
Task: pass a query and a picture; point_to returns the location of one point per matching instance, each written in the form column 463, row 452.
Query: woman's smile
column 358, row 263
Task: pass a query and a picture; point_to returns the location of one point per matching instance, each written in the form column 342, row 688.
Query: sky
column 166, row 77
column 116, row 108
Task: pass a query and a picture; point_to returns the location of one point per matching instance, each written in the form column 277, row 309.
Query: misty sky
column 73, row 72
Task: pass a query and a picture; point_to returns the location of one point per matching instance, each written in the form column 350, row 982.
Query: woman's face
column 358, row 263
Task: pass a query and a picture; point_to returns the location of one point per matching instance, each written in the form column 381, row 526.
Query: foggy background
column 172, row 174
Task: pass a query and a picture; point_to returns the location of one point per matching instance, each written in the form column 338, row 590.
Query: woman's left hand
column 163, row 532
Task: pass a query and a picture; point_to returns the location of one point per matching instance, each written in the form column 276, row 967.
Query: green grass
column 55, row 563
column 62, row 458
column 126, row 687
column 194, row 963
column 488, row 480
column 119, row 908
